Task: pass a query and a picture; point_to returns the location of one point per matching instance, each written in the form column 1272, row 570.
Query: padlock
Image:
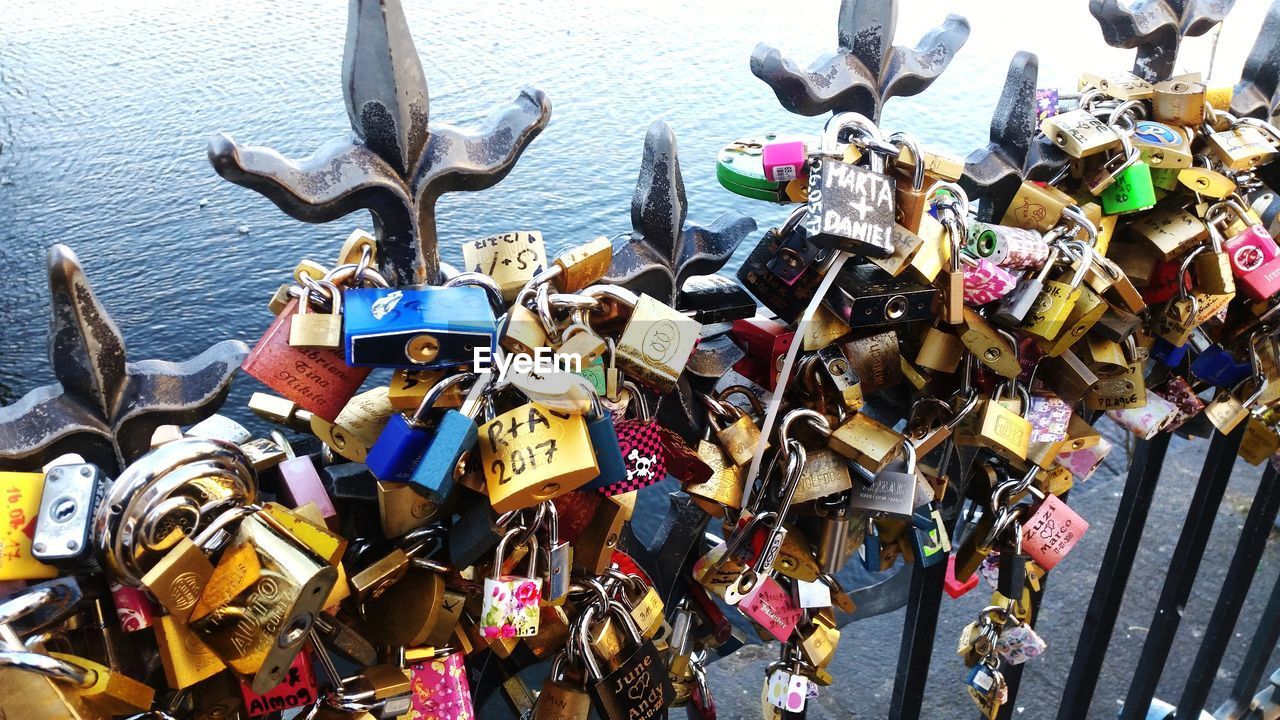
column 865, row 296
column 985, row 282
column 996, row 427
column 850, row 208
column 1242, row 147
column 831, row 369
column 1036, row 206
column 950, row 280
column 988, row 345
column 1170, row 231
column 1051, row 531
column 736, row 430
column 1144, row 422
column 875, row 359
column 639, row 688
column 317, row 380
column 656, row 344
column 892, row 494
column 910, row 201
column 1011, row 248
column 1253, row 254
column 1084, row 315
column 786, row 689
column 296, row 689
column 1132, row 190
column 531, row 454
column 939, row 350
column 1160, row 146
column 1017, row 304
column 511, row 601
column 1228, row 410
column 1079, row 133
column 300, row 483
column 1057, row 299
column 62, row 536
column 866, row 441
column 785, row 160
column 455, row 436
column 640, row 445
column 825, row 474
column 1219, row 368
column 788, row 301
column 512, row 259
column 438, row 683
column 417, row 328
column 321, row 330
column 564, row 694
column 594, row 547
column 906, row 245
column 186, row 660
column 1213, row 268
column 1259, row 443
column 1119, row 85
column 766, row 343
column 257, row 625
column 1179, row 102
column 580, row 266
column 723, row 489
column 740, row 170
column 1104, row 176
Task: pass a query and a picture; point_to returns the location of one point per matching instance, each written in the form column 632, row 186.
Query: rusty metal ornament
column 866, row 70
column 1156, row 28
column 662, row 251
column 1255, row 94
column 104, row 407
column 393, row 165
column 1016, row 150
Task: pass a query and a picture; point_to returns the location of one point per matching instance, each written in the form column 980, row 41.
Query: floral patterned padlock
column 1018, row 643
column 787, row 689
column 439, row 686
column 1051, row 532
column 510, row 607
column 1144, row 422
column 1187, row 404
column 1084, row 462
column 1049, row 417
column 985, row 282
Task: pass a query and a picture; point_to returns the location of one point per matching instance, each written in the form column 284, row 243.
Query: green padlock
column 740, row 169
column 1165, row 178
column 1132, row 191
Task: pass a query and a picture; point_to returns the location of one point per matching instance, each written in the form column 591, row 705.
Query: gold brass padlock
column 1170, row 231
column 1057, row 299
column 1079, row 134
column 866, row 441
column 1120, row 85
column 531, row 454
column 656, row 344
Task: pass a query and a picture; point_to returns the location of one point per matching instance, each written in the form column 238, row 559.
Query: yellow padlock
column 531, row 454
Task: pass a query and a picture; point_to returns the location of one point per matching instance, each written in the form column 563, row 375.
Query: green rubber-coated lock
column 1132, row 191
column 740, row 169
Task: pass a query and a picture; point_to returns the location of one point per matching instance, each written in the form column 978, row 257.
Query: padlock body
column 531, row 454
column 850, row 208
column 397, row 450
column 1132, row 191
column 455, row 435
column 1254, row 260
column 986, row 282
column 317, row 379
column 416, row 328
column 1051, row 532
column 608, row 452
column 510, row 606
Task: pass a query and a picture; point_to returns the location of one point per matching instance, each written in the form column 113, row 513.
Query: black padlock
column 639, row 689
column 786, row 301
column 866, row 296
column 715, row 299
column 850, row 207
column 1015, row 306
column 476, row 532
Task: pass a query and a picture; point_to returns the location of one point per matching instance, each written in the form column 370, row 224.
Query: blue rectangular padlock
column 455, row 435
column 1219, row 367
column 604, row 442
column 416, row 328
column 1166, row 352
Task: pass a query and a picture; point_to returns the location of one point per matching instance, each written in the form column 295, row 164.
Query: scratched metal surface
column 106, row 109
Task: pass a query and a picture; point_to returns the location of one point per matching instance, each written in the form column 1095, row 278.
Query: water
column 105, row 110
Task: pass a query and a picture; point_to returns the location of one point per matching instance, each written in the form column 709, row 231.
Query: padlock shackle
column 903, row 140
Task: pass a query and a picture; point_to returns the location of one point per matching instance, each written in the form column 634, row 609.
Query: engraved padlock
column 850, row 208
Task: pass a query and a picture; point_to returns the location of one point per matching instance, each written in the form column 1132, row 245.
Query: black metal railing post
column 1183, row 566
column 1235, row 588
column 918, row 630
column 1113, row 577
column 1255, row 662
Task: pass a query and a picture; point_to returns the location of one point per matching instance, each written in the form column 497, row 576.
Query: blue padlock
column 417, row 328
column 454, row 437
column 1166, row 352
column 604, row 441
column 1220, row 368
column 400, row 446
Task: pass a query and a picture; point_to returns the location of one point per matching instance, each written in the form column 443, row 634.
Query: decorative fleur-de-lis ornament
column 393, row 165
column 866, row 69
column 662, row 252
column 1156, row 28
column 103, row 407
column 1255, row 94
column 1016, row 151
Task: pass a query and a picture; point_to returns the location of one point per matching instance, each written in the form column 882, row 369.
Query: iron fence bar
column 1113, row 577
column 1013, row 673
column 924, row 601
column 1256, row 657
column 1235, row 588
column 1183, row 566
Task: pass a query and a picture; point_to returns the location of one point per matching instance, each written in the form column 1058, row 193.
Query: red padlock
column 317, row 379
column 766, row 343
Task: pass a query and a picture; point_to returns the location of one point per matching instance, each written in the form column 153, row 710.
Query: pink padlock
column 440, row 688
column 785, row 161
column 985, row 282
column 1084, row 462
column 770, row 606
column 1051, row 532
column 300, row 483
column 135, row 610
column 298, row 688
column 1254, row 256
